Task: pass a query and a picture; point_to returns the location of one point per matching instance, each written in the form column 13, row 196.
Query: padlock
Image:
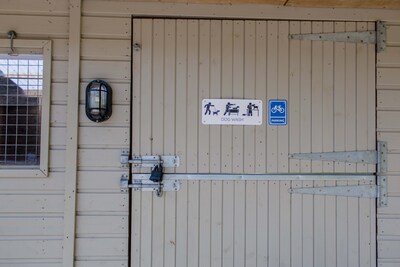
column 156, row 174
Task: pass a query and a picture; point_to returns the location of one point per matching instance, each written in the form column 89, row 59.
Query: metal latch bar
column 261, row 177
column 369, row 157
column 147, row 185
column 150, row 161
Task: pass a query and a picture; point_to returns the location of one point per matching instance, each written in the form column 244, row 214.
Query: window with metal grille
column 21, row 87
column 25, row 78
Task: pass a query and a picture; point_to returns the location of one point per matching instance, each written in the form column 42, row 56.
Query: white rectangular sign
column 232, row 111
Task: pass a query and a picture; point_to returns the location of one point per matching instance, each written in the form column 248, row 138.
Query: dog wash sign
column 232, row 111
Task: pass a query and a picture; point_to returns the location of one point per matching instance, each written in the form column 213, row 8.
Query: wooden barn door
column 330, row 89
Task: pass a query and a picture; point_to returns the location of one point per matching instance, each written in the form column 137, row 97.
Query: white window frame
column 42, row 47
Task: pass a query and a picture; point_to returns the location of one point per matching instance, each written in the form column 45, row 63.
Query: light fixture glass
column 98, row 101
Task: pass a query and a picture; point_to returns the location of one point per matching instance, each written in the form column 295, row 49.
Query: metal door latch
column 150, row 161
column 148, row 185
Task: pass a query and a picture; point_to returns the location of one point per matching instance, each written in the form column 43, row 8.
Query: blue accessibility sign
column 277, row 112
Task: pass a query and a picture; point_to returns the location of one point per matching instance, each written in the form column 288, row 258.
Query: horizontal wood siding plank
column 389, row 249
column 36, row 26
column 393, row 163
column 388, row 99
column 112, row 70
column 394, row 185
column 388, row 77
column 30, row 249
column 106, row 28
column 54, row 7
column 101, row 247
column 104, row 137
column 389, row 119
column 59, row 93
column 59, row 71
column 25, row 203
column 99, row 181
column 40, row 263
column 60, row 49
column 54, row 182
column 388, row 227
column 99, row 158
column 389, row 58
column 28, row 226
column 94, row 263
column 393, row 207
column 393, row 35
column 89, row 225
column 392, row 138
column 57, row 137
column 90, row 202
column 103, row 49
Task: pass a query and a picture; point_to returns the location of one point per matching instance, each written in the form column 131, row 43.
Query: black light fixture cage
column 98, row 101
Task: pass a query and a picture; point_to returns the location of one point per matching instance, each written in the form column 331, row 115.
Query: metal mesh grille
column 21, row 84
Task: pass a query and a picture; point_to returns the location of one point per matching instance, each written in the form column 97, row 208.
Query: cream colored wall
column 102, row 210
column 31, row 209
column 388, row 129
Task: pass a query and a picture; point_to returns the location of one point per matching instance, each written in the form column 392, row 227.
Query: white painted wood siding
column 102, row 210
column 388, row 127
column 31, row 209
column 330, row 89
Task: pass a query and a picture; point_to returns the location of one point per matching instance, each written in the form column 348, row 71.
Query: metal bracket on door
column 377, row 37
column 149, row 161
column 148, row 185
column 154, row 182
column 370, row 157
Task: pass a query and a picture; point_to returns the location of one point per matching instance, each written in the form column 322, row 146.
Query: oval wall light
column 98, row 101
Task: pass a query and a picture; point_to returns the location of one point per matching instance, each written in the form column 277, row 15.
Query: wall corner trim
column 75, row 9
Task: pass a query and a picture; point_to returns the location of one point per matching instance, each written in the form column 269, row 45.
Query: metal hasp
column 147, row 185
column 369, row 157
column 377, row 37
column 155, row 181
column 149, row 161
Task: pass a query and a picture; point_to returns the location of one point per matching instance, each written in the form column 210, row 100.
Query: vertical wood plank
column 371, row 102
column 215, row 145
column 158, row 135
column 305, row 144
column 145, row 137
column 261, row 142
column 272, row 147
column 317, row 144
column 362, row 144
column 181, row 139
column 204, row 146
column 238, row 145
column 339, row 142
column 351, row 133
column 192, row 146
column 169, row 137
column 283, row 145
column 328, row 140
column 249, row 147
column 136, row 198
column 226, row 142
column 294, row 144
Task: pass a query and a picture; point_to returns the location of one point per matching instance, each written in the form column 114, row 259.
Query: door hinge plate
column 369, row 191
column 377, row 37
column 369, row 157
